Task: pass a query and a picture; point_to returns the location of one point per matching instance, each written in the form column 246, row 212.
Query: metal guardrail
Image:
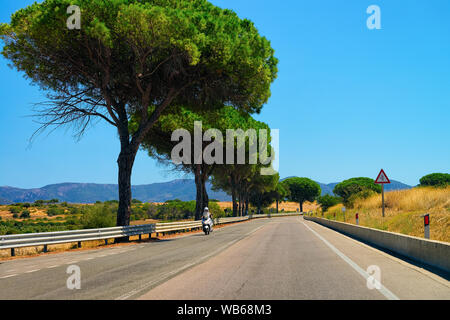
column 58, row 237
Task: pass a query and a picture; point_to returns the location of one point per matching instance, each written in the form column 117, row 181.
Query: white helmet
column 206, row 209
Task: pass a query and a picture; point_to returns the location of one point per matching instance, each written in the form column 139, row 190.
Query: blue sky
column 348, row 100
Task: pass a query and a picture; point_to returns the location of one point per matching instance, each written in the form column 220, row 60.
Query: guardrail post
column 426, row 224
column 79, row 244
column 45, row 248
column 13, row 252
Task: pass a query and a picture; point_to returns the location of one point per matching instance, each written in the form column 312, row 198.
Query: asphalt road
column 278, row 258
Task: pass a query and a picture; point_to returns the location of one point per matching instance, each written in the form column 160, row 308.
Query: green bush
column 54, row 211
column 15, row 215
column 353, row 186
column 14, row 209
column 328, row 201
column 25, row 214
column 98, row 216
column 435, row 180
column 73, row 210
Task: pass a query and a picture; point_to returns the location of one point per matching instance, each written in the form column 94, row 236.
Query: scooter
column 206, row 225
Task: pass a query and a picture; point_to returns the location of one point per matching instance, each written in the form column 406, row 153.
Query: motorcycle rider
column 208, row 218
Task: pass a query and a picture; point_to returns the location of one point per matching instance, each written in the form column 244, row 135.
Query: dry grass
column 403, row 214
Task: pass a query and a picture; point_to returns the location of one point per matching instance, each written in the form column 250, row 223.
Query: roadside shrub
column 435, row 180
column 14, row 209
column 26, row 205
column 25, row 214
column 353, row 186
column 54, row 211
column 328, row 201
column 74, row 210
column 15, row 215
column 98, row 216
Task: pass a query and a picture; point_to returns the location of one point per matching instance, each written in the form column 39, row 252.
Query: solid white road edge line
column 383, row 290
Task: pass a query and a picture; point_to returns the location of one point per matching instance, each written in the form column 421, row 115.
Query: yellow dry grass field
column 404, row 211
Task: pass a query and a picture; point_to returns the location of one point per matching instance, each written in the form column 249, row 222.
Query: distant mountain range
column 183, row 189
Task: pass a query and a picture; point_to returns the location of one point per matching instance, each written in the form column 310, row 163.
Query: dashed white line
column 30, row 271
column 8, row 276
column 53, row 266
column 163, row 277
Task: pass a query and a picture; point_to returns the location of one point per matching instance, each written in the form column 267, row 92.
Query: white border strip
column 383, row 290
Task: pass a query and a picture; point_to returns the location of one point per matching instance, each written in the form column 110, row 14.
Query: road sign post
column 357, row 219
column 426, row 223
column 382, row 179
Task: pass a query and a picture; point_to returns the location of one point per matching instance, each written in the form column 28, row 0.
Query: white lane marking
column 30, row 271
column 383, row 290
column 49, row 267
column 9, row 276
column 168, row 274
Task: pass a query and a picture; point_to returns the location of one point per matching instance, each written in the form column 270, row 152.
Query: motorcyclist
column 208, row 218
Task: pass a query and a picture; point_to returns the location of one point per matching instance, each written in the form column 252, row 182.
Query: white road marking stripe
column 9, row 276
column 166, row 275
column 383, row 290
column 53, row 266
column 32, row 271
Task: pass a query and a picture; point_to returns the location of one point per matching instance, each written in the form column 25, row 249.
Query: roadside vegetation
column 404, row 209
column 44, row 216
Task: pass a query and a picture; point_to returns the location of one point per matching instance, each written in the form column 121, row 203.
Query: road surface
column 277, row 258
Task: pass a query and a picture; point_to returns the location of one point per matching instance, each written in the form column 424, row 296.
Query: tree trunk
column 199, row 193
column 240, row 204
column 233, row 195
column 125, row 163
column 277, row 205
column 205, row 193
column 246, row 204
column 301, row 206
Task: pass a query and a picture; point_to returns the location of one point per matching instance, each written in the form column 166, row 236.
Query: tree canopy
column 137, row 57
column 301, row 190
column 435, row 179
column 353, row 186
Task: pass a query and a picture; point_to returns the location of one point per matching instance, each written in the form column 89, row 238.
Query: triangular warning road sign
column 382, row 177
